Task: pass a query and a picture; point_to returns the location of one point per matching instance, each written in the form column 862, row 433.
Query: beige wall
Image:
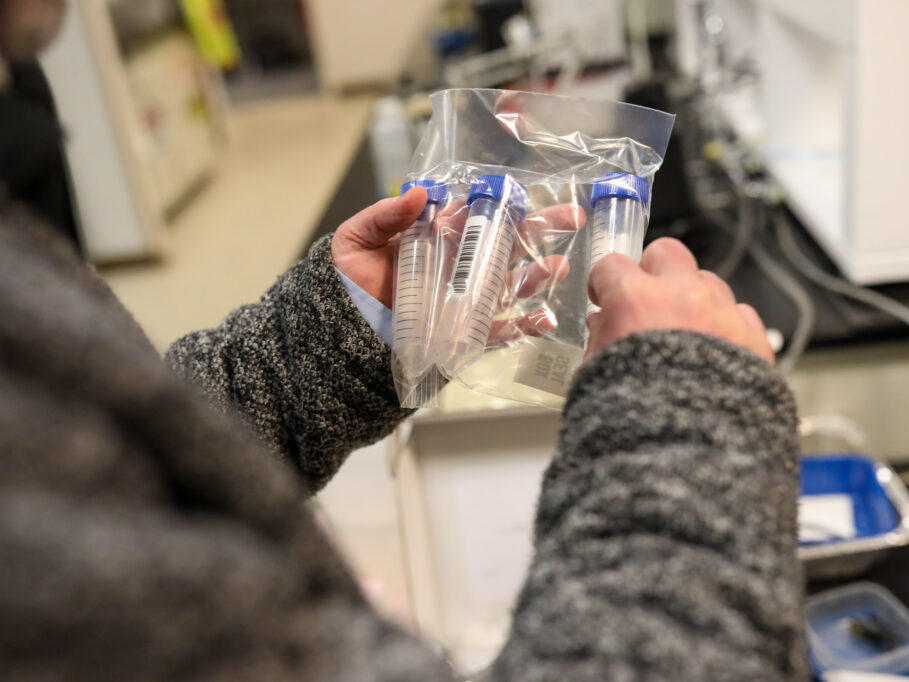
column 358, row 43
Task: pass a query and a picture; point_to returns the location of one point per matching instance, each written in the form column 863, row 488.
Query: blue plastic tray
column 855, row 476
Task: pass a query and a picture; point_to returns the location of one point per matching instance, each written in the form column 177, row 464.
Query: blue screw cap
column 620, row 185
column 496, row 187
column 436, row 192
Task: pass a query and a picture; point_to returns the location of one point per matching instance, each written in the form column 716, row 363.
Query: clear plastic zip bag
column 526, row 192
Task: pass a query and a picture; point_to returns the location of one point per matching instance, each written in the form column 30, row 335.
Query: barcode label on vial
column 473, row 230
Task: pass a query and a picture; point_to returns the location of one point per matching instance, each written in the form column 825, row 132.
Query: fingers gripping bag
column 526, row 192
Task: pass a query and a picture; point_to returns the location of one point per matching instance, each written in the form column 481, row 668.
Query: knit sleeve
column 301, row 366
column 665, row 538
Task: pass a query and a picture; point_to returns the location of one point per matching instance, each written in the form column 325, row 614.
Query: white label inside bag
column 548, row 366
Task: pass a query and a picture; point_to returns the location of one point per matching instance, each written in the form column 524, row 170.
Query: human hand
column 363, row 248
column 668, row 291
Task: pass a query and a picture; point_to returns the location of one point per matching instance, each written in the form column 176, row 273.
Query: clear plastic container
column 619, row 202
column 414, row 305
column 497, row 205
column 860, row 627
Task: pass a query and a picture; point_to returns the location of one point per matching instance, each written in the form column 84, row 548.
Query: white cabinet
column 467, row 486
column 141, row 130
column 360, row 44
column 831, row 98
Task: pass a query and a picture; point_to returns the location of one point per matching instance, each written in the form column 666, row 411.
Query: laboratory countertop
column 868, row 383
column 281, row 168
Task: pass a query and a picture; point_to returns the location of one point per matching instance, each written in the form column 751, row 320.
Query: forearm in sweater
column 665, row 539
column 301, row 366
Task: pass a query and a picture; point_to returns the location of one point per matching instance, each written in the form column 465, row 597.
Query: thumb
column 374, row 226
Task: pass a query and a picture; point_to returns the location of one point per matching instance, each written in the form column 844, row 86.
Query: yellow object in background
column 210, row 26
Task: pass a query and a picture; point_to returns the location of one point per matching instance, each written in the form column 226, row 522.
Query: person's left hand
column 363, row 248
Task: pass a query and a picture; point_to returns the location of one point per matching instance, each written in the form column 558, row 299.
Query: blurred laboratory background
column 209, row 142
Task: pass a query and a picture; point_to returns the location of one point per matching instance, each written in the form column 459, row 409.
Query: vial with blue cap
column 497, row 204
column 414, row 303
column 619, row 203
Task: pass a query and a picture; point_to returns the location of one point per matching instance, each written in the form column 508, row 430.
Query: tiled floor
column 360, row 506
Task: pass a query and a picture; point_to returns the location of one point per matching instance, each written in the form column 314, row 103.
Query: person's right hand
column 668, row 291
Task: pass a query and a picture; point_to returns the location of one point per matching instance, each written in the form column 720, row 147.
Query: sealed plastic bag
column 526, row 192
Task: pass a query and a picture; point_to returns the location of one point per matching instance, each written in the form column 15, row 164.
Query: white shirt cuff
column 377, row 316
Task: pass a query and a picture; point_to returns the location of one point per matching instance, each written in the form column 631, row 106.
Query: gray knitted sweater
column 145, row 535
